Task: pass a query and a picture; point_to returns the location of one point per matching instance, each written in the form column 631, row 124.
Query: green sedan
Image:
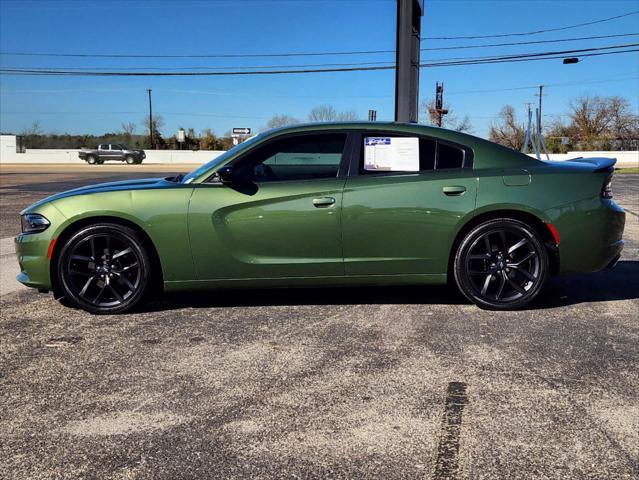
column 325, row 205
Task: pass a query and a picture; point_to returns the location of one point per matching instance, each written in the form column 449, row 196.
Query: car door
column 281, row 215
column 403, row 222
column 103, row 151
column 115, row 152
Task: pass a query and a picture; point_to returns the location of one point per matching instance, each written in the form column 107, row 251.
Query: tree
column 281, row 121
column 158, row 140
column 599, row 123
column 449, row 120
column 507, row 131
column 128, row 128
column 208, row 140
column 32, row 134
column 327, row 113
column 347, row 116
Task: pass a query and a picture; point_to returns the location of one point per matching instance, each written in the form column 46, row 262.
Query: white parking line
column 8, row 268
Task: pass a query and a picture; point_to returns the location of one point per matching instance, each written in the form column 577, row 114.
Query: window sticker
column 391, row 154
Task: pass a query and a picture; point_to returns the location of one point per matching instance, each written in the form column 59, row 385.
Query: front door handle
column 323, row 202
column 454, row 190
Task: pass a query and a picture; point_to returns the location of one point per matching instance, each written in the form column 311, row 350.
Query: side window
column 115, row 147
column 449, row 157
column 302, row 157
column 382, row 153
column 103, row 147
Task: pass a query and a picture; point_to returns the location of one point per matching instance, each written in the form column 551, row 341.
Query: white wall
column 8, row 155
column 41, row 155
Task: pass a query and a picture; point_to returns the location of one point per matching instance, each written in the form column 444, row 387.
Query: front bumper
column 32, row 249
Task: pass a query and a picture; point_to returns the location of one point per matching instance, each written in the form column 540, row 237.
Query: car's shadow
column 619, row 283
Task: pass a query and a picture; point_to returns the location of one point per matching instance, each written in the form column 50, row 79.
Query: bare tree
column 323, row 113
column 327, row 113
column 601, row 123
column 449, row 120
column 347, row 116
column 32, row 135
column 158, row 123
column 281, row 121
column 507, row 130
column 128, row 128
column 33, row 129
column 590, row 121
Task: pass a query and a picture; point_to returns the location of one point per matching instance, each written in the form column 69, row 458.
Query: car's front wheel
column 91, row 160
column 104, row 269
column 130, row 160
column 501, row 264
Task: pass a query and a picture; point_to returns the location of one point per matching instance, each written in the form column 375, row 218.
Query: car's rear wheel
column 130, row 160
column 501, row 264
column 91, row 160
column 104, row 269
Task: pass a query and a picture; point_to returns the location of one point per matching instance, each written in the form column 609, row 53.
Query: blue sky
column 100, row 104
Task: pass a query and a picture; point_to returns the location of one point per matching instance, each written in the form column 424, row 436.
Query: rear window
column 449, row 157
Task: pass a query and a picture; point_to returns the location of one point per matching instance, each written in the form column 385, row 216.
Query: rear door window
column 449, row 156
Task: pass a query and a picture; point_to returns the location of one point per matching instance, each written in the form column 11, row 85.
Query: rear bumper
column 591, row 235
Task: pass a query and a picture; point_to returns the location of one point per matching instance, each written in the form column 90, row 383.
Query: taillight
column 606, row 192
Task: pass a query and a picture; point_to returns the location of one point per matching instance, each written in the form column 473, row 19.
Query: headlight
column 34, row 223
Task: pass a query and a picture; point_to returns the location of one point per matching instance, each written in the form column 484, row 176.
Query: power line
column 534, row 32
column 304, row 54
column 530, row 42
column 439, row 63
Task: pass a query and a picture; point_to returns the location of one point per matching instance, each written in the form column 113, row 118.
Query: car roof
column 390, row 126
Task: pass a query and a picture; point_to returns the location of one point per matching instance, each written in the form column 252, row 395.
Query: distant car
column 331, row 204
column 113, row 151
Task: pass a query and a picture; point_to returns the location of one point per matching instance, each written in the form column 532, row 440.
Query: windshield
column 189, row 177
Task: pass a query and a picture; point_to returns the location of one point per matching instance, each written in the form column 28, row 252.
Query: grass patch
column 627, row 170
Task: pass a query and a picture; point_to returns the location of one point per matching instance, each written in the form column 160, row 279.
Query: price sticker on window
column 391, row 154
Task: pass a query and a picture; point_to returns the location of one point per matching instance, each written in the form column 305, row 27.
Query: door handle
column 454, row 190
column 323, row 202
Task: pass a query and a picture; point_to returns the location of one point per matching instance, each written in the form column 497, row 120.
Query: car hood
column 139, row 184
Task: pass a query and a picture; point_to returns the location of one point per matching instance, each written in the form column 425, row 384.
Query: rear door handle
column 454, row 190
column 323, row 202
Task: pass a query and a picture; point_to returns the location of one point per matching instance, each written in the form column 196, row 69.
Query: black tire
column 501, row 264
column 129, row 160
column 91, row 160
column 104, row 269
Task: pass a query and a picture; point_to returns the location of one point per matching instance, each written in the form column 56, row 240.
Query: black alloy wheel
column 104, row 269
column 501, row 265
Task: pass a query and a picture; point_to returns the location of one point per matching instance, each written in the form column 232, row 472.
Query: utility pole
column 409, row 19
column 150, row 119
column 541, row 90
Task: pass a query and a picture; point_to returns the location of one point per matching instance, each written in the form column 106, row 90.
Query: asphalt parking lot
column 321, row 383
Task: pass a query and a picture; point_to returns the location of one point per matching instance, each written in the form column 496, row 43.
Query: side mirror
column 226, row 175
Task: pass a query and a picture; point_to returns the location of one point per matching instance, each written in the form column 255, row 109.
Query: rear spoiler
column 599, row 164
